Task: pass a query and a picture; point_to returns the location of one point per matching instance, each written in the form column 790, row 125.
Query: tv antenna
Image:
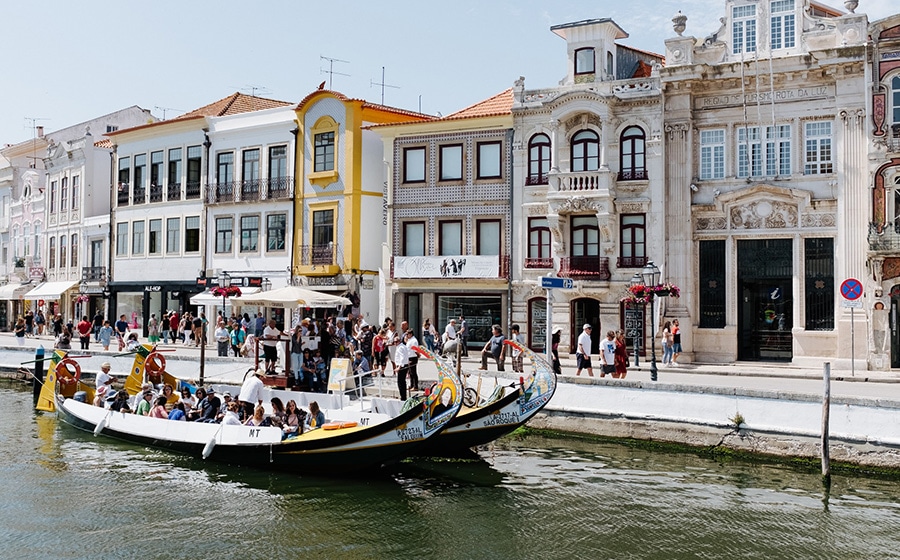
column 330, row 70
column 165, row 109
column 382, row 84
column 33, row 126
column 256, row 89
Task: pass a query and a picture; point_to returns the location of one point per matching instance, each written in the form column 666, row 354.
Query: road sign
column 851, row 304
column 552, row 282
column 851, row 289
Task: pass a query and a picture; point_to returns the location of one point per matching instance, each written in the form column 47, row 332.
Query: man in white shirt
column 608, row 354
column 449, row 343
column 411, row 342
column 104, row 378
column 270, row 339
column 251, row 393
column 583, row 351
column 402, row 365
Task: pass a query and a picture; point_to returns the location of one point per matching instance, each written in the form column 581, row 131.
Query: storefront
column 137, row 301
column 12, row 304
column 55, row 298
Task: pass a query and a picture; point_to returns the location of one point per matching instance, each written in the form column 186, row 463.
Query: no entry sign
column 851, row 289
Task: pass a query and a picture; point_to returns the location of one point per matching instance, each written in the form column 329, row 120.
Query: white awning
column 14, row 291
column 206, row 298
column 51, row 290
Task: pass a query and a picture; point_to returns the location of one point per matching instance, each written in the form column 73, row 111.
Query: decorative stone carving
column 764, row 214
column 679, row 21
column 631, row 207
column 710, row 224
column 818, row 220
column 540, row 96
column 891, row 268
column 578, row 204
column 678, row 129
column 537, row 210
column 633, row 87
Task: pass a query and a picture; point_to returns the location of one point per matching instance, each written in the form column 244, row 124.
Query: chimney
column 40, row 131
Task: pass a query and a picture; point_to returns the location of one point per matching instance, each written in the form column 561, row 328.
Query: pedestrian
column 39, row 322
column 84, row 332
column 516, row 353
column 411, row 343
column 29, row 324
column 676, row 342
column 494, row 347
column 429, row 335
column 97, row 324
column 197, row 330
column 463, row 335
column 270, row 338
column 164, row 325
column 608, row 354
column 173, row 326
column 223, row 338
column 105, row 335
column 449, row 343
column 121, row 331
column 554, row 349
column 621, row 358
column 584, row 350
column 402, row 367
column 20, row 331
column 153, row 329
column 392, row 342
column 237, row 338
column 665, row 340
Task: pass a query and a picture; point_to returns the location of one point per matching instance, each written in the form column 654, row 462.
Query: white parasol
column 290, row 297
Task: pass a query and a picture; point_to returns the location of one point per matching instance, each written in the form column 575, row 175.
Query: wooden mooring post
column 826, row 408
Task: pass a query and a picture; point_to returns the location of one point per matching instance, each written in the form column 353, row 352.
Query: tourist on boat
column 190, row 402
column 178, row 412
column 193, row 413
column 120, row 402
column 145, row 387
column 105, row 335
column 251, row 394
column 223, row 338
column 226, row 400
column 104, row 379
column 495, row 348
column 209, row 406
column 258, row 418
column 279, row 414
column 144, row 407
column 171, row 396
column 159, row 408
column 231, row 415
column 100, row 398
column 316, row 417
column 516, row 353
column 294, row 419
column 402, row 364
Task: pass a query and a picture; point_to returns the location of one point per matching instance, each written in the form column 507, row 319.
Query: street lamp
column 637, row 281
column 266, row 285
column 650, row 275
column 224, row 284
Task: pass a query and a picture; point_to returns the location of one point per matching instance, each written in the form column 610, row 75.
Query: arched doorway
column 586, row 310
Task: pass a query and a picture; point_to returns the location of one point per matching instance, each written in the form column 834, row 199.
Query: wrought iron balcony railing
column 884, row 237
column 280, row 188
column 93, row 274
column 633, row 175
column 323, row 255
column 536, row 179
column 173, row 191
column 122, row 194
column 139, row 196
column 585, row 268
column 631, row 262
column 156, row 193
column 192, row 190
column 541, row 262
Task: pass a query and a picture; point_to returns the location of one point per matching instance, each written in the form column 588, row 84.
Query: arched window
column 585, row 151
column 632, row 163
column 538, row 159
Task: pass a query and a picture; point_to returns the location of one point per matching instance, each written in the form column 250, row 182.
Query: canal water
column 67, row 494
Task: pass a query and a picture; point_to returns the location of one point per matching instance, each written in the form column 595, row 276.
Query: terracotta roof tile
column 234, row 104
column 500, row 104
column 105, row 143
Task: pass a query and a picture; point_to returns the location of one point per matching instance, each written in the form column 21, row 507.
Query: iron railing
column 324, row 255
column 93, row 274
column 280, row 188
column 173, row 191
column 585, row 268
column 192, row 190
column 122, row 194
column 156, row 193
column 631, row 262
column 539, row 262
column 633, row 175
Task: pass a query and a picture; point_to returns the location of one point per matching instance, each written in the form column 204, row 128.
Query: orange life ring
column 155, row 365
column 64, row 374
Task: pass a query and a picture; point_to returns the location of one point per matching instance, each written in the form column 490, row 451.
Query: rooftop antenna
column 165, row 109
column 256, row 89
column 330, row 70
column 382, row 84
column 33, row 126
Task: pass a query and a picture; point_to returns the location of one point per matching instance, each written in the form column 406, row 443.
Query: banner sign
column 461, row 266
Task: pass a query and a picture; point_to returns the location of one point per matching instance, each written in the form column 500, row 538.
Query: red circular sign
column 41, row 302
column 851, row 289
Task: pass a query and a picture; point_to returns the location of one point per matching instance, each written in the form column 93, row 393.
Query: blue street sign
column 551, row 282
column 851, row 289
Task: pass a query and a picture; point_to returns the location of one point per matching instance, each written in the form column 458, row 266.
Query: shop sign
column 462, row 266
column 153, row 288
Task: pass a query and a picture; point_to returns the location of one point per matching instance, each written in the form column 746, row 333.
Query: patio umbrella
column 290, row 297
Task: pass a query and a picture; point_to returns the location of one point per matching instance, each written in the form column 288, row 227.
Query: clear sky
column 66, row 62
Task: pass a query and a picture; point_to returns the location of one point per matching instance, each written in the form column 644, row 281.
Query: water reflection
column 531, row 497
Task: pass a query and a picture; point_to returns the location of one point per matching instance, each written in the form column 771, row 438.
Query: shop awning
column 51, row 290
column 14, row 291
column 206, row 298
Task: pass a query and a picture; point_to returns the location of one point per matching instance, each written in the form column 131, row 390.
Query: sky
column 68, row 62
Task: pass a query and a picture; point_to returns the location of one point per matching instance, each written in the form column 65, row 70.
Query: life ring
column 64, row 374
column 155, row 365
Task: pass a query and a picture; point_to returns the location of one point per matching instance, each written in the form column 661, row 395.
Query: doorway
column 895, row 332
column 765, row 312
column 586, row 311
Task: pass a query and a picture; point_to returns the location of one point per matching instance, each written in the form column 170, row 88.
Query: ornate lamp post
column 266, row 285
column 650, row 274
column 636, row 280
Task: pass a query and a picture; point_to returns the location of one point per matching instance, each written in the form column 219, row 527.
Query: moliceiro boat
column 484, row 420
column 373, row 439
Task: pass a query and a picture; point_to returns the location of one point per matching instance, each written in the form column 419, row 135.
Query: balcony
column 585, row 268
column 279, row 188
column 539, row 262
column 254, row 190
column 631, row 262
column 532, row 180
column 173, row 191
column 250, row 190
column 320, row 260
column 122, row 194
column 223, row 192
column 140, row 195
column 156, row 193
column 192, row 190
column 633, row 175
column 893, row 139
column 884, row 238
column 93, row 274
column 581, row 182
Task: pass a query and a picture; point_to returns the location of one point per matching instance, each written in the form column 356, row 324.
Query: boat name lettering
column 363, row 421
column 501, row 418
column 253, row 433
column 409, row 434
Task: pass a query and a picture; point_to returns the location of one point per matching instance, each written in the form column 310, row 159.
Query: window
column 712, row 154
column 137, row 238
column 538, row 238
column 156, row 169
column 111, row 128
column 194, row 169
column 37, row 241
column 62, row 251
column 192, row 234
column 770, row 158
column 818, row 148
column 632, row 164
column 250, row 166
column 225, row 167
column 249, row 234
column 585, row 151
column 538, row 159
column 488, row 237
column 450, row 238
column 712, row 284
column 414, row 239
column 585, row 236
column 782, row 24
column 895, row 103
column 324, row 148
column 53, row 197
column 124, row 176
column 277, row 165
column 451, row 160
column 121, row 239
column 489, row 160
column 323, row 228
column 52, row 257
column 154, row 239
column 173, row 233
column 819, row 255
column 275, row 231
column 76, row 191
column 174, row 183
column 610, row 66
column 743, row 29
column 632, row 250
column 74, row 250
column 414, row 165
column 584, row 61
column 224, row 233
column 140, row 169
column 64, row 194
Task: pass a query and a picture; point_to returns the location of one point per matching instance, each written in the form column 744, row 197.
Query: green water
column 68, row 494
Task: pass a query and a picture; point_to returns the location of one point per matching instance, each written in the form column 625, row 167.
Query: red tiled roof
column 105, row 143
column 643, row 70
column 500, row 104
column 234, row 104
